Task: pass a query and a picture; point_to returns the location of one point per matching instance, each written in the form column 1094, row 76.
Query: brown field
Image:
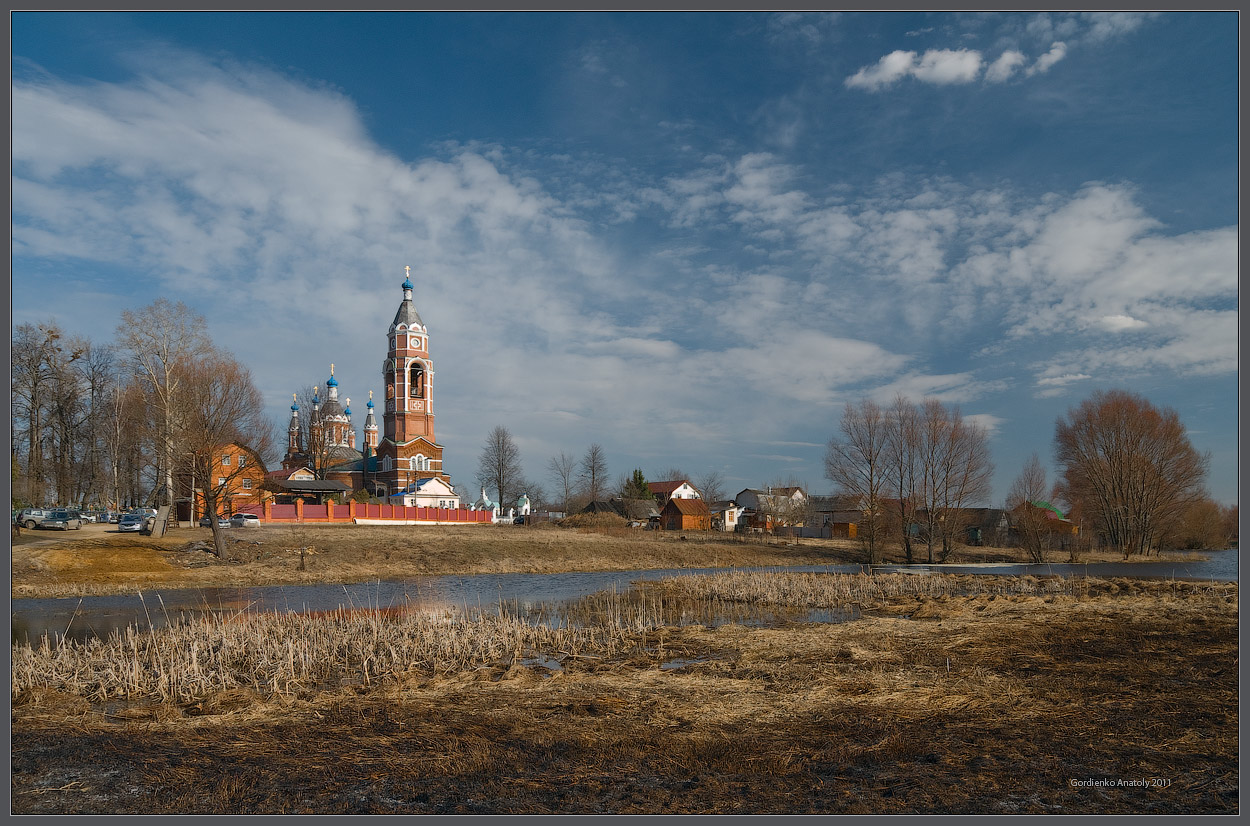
column 947, row 695
column 100, row 560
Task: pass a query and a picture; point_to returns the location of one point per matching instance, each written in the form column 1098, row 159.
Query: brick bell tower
column 407, row 452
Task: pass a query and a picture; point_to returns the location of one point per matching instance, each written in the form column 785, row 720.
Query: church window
column 386, row 463
column 390, row 390
column 416, row 382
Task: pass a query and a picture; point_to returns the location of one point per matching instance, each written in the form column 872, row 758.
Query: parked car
column 245, row 520
column 30, row 517
column 207, row 522
column 62, row 520
column 131, row 521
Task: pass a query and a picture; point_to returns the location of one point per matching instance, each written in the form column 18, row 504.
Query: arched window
column 386, row 463
column 416, row 382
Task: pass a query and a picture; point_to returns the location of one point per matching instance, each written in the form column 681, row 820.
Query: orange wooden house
column 686, row 515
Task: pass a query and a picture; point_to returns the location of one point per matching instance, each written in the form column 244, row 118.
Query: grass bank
column 947, row 695
column 99, row 560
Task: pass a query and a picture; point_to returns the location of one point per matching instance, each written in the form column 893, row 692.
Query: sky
column 690, row 238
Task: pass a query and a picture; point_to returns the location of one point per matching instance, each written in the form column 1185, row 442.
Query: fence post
column 299, row 510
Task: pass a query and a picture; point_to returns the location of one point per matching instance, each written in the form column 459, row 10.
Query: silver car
column 62, row 520
column 31, row 517
column 245, row 520
column 131, row 522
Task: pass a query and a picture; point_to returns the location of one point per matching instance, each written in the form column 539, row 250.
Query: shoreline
column 100, row 561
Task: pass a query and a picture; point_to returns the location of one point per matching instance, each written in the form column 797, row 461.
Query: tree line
column 1129, row 479
column 575, row 480
column 136, row 422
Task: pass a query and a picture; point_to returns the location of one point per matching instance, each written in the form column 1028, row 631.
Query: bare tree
column 36, row 353
column 1130, row 466
column 955, row 471
column 499, row 465
column 856, row 463
column 1031, row 521
column 218, row 405
column 162, row 338
column 902, row 464
column 593, row 472
column 711, row 486
column 563, row 469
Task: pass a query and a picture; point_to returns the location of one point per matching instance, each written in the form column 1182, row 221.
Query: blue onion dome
column 294, row 403
column 347, row 411
column 370, row 403
column 407, row 285
column 333, row 382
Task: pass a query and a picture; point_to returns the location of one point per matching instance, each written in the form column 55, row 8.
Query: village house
column 675, row 489
column 433, row 492
column 772, row 509
column 725, row 515
column 685, row 515
column 240, row 474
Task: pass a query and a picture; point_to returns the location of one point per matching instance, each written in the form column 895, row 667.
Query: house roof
column 688, row 507
column 667, row 487
column 310, row 485
column 281, row 474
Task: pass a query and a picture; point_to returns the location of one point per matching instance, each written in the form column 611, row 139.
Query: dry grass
column 987, row 700
column 98, row 560
column 294, row 654
column 73, row 565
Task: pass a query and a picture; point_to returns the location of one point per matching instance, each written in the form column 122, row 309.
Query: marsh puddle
column 551, row 598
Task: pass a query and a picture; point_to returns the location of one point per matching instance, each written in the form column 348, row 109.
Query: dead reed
column 830, row 590
column 293, row 654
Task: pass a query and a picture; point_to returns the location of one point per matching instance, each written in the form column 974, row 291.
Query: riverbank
column 948, row 695
column 99, row 560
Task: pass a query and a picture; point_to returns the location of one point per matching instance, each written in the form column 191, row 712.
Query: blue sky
column 691, row 238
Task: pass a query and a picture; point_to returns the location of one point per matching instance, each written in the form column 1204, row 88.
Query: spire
column 407, row 313
column 371, row 426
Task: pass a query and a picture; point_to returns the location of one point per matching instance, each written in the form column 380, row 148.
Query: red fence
column 302, row 512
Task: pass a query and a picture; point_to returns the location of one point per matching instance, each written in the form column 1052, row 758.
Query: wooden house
column 686, row 515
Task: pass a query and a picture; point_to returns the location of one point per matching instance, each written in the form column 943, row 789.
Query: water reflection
column 541, row 597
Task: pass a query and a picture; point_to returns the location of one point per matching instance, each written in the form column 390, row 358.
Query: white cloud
column 1057, row 52
column 936, row 66
column 1004, row 66
column 946, row 66
column 889, row 69
column 1117, row 323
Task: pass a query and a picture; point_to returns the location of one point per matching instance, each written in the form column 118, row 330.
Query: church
column 407, row 461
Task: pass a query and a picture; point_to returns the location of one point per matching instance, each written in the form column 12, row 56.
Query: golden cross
column 331, row 369
column 406, row 269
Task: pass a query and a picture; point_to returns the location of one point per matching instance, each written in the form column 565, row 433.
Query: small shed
column 686, row 515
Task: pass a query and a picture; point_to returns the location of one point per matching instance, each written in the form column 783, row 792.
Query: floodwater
column 550, row 598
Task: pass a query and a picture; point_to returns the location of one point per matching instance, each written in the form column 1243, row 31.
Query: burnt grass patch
column 981, row 706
